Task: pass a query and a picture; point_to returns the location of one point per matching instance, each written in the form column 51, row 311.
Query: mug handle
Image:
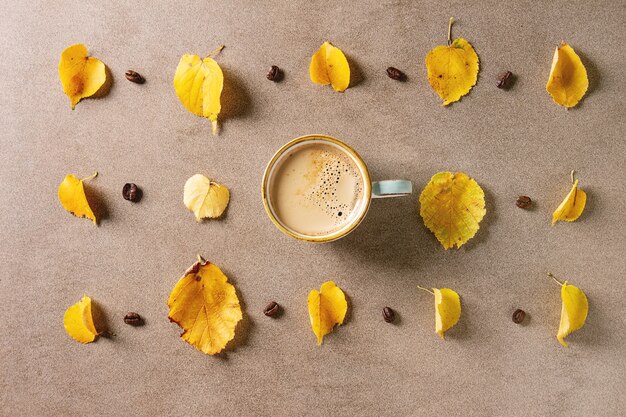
column 391, row 188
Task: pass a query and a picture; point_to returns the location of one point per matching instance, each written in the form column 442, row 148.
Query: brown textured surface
column 512, row 142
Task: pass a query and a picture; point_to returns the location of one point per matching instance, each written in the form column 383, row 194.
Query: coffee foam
column 316, row 189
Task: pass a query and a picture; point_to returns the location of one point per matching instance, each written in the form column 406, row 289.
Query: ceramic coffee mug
column 318, row 189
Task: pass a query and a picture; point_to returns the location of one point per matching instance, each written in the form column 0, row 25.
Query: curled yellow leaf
column 205, row 198
column 73, row 199
column 567, row 83
column 198, row 83
column 330, row 66
column 572, row 206
column 452, row 69
column 78, row 321
column 206, row 307
column 447, row 309
column 452, row 206
column 81, row 75
column 574, row 309
column 327, row 308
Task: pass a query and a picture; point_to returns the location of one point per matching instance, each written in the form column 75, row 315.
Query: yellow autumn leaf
column 81, row 75
column 205, row 198
column 206, row 307
column 447, row 309
column 73, row 199
column 198, row 83
column 452, row 68
column 330, row 66
column 574, row 309
column 452, row 206
column 327, row 308
column 572, row 206
column 568, row 81
column 78, row 321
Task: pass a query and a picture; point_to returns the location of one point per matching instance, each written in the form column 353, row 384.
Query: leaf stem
column 554, row 278
column 201, row 259
column 450, row 32
column 572, row 176
column 425, row 289
column 215, row 51
column 94, row 175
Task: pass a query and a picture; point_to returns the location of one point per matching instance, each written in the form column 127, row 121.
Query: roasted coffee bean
column 133, row 319
column 389, row 315
column 503, row 79
column 274, row 74
column 131, row 192
column 271, row 309
column 519, row 316
column 396, row 74
column 523, row 202
column 134, row 77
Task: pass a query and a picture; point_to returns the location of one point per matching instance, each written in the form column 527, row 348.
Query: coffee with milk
column 316, row 189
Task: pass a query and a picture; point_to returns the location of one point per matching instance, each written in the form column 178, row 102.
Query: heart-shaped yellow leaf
column 198, row 83
column 574, row 309
column 327, row 308
column 73, row 199
column 78, row 321
column 568, row 81
column 572, row 206
column 452, row 69
column 452, row 206
column 206, row 306
column 447, row 309
column 81, row 75
column 205, row 198
column 330, row 66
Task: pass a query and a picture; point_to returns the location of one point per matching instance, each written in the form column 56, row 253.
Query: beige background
column 512, row 142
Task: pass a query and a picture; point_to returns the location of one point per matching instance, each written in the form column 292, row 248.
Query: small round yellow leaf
column 81, row 75
column 205, row 198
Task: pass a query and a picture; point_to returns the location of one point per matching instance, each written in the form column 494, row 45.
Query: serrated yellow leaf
column 572, row 206
column 81, row 75
column 327, row 308
column 452, row 206
column 206, row 307
column 205, row 198
column 73, row 199
column 452, row 69
column 574, row 309
column 198, row 83
column 330, row 66
column 78, row 321
column 567, row 83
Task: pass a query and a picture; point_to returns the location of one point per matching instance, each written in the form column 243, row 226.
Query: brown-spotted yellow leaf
column 572, row 206
column 205, row 305
column 447, row 309
column 568, row 82
column 81, row 75
column 78, row 321
column 330, row 66
column 452, row 206
column 327, row 308
column 452, row 69
column 206, row 199
column 73, row 199
column 198, row 83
